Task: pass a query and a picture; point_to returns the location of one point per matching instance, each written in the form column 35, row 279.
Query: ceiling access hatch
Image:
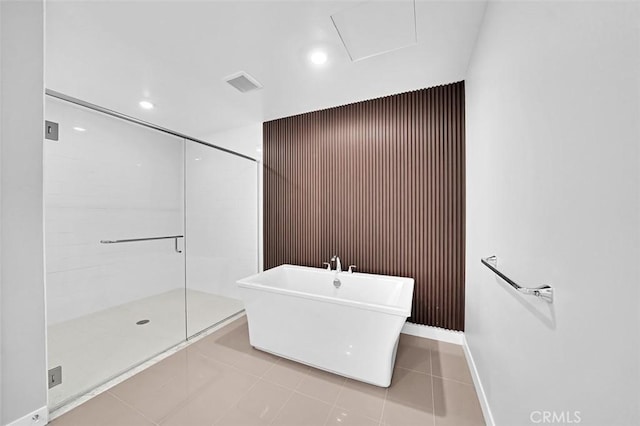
column 376, row 27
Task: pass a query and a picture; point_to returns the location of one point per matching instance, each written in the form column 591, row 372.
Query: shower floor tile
column 229, row 390
column 97, row 347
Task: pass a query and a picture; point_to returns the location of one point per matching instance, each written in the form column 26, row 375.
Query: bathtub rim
column 406, row 292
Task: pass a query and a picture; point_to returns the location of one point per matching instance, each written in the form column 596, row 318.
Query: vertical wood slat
column 381, row 183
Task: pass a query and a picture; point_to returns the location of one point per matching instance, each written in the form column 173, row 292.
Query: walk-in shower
column 146, row 231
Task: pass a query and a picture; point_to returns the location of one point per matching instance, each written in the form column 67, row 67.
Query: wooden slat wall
column 379, row 183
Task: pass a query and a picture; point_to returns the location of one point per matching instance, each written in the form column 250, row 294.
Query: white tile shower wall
column 222, row 220
column 553, row 100
column 246, row 140
column 114, row 180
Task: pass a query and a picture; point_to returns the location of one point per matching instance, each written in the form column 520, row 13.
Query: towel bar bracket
column 544, row 292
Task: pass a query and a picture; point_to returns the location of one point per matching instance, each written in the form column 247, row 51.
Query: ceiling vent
column 243, row 82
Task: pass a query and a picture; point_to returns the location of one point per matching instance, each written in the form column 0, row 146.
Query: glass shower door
column 115, row 285
column 222, row 232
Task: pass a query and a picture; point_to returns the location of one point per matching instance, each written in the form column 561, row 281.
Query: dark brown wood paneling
column 379, row 183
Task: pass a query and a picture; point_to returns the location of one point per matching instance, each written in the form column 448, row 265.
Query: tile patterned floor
column 222, row 381
column 96, row 347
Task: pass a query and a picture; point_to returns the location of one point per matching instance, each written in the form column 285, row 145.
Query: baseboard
column 434, row 333
column 40, row 417
column 482, row 397
column 457, row 338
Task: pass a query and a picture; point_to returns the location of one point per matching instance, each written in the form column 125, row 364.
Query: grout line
column 315, row 398
column 191, row 396
column 361, row 415
column 412, row 370
column 133, row 371
column 331, row 408
column 335, row 402
column 454, row 380
column 271, row 367
column 433, row 391
column 273, row 382
column 282, row 408
column 384, row 403
column 234, row 367
column 235, row 403
column 260, row 378
column 125, row 403
column 296, row 391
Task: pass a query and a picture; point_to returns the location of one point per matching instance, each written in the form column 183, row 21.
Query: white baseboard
column 435, row 333
column 40, row 417
column 457, row 338
column 482, row 397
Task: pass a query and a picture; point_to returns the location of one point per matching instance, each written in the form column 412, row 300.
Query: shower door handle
column 133, row 240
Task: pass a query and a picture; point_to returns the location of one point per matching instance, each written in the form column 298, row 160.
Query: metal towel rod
column 133, row 240
column 545, row 292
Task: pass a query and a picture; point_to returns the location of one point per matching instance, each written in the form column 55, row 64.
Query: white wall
column 221, row 228
column 246, row 140
column 1, row 123
column 224, row 212
column 553, row 190
column 22, row 306
column 115, row 180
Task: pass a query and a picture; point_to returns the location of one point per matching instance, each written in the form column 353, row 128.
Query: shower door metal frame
column 70, row 99
column 125, row 117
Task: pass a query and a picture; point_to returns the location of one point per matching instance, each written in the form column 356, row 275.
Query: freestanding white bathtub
column 296, row 312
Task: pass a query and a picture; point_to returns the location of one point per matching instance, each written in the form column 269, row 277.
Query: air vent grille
column 243, row 82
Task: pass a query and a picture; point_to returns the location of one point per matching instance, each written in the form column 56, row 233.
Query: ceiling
column 176, row 54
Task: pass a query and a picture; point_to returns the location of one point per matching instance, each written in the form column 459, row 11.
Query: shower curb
column 129, row 373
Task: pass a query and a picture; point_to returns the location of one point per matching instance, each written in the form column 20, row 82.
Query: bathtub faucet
column 336, row 259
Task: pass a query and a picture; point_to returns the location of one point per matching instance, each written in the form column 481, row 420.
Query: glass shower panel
column 110, row 305
column 222, row 232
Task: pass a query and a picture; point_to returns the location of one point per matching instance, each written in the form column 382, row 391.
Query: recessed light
column 318, row 57
column 79, row 129
column 197, row 158
column 146, row 105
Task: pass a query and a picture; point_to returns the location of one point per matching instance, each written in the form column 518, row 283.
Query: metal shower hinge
column 51, row 130
column 55, row 376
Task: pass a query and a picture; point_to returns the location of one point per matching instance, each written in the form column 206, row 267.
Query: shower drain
column 142, row 322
